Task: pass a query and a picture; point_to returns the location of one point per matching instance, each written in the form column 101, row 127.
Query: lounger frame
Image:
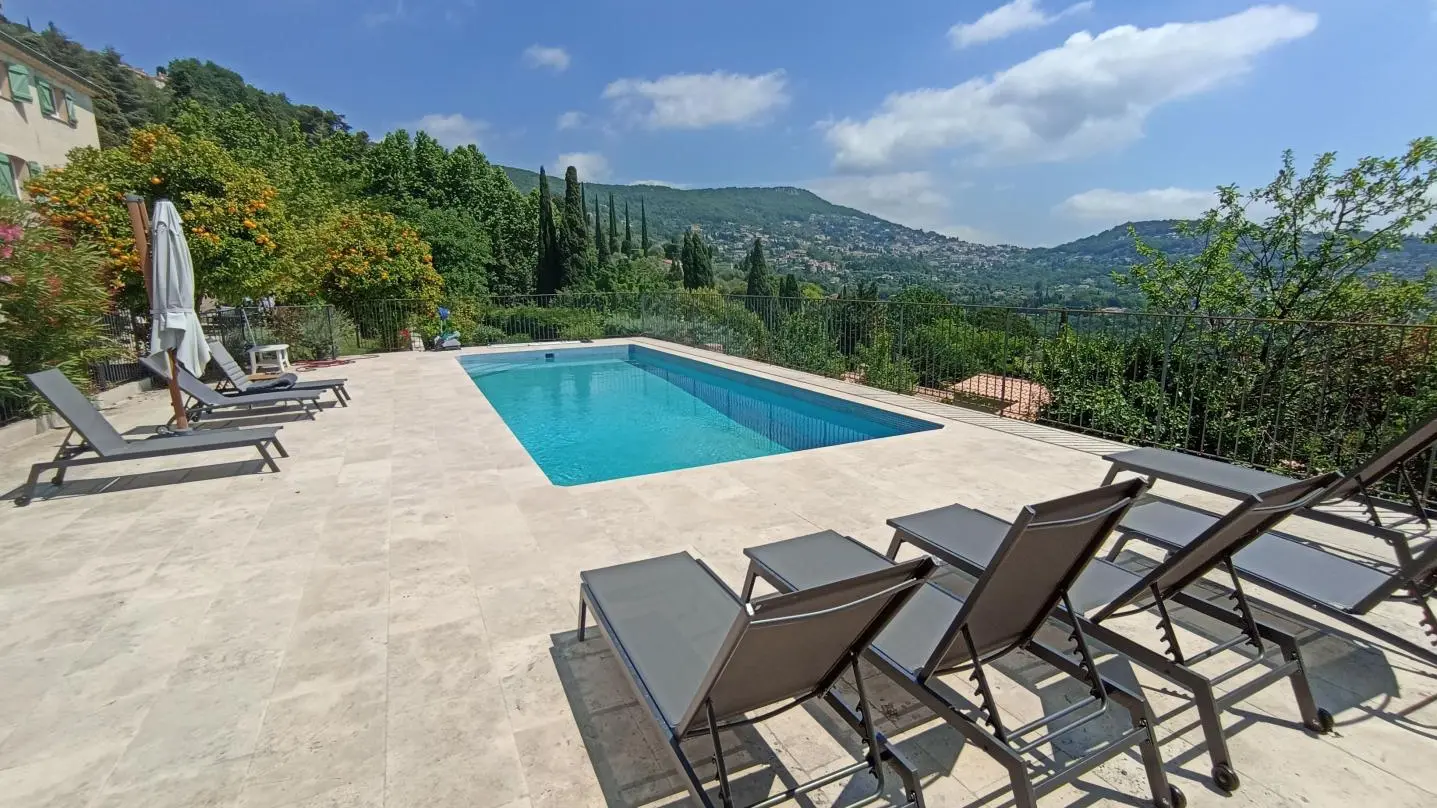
column 877, row 749
column 86, row 425
column 1154, row 591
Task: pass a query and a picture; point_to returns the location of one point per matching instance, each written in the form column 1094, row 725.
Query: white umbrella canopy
column 173, row 322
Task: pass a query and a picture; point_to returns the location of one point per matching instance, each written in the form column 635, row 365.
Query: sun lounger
column 1305, row 571
column 1226, row 479
column 700, row 660
column 98, row 436
column 951, row 626
column 238, row 379
column 969, row 540
column 204, row 400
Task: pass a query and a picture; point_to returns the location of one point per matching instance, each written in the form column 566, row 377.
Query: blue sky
column 1030, row 122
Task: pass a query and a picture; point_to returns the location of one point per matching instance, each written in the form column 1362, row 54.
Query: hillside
column 836, row 245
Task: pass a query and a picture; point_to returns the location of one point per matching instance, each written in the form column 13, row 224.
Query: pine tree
column 643, row 228
column 573, row 235
column 550, row 269
column 613, row 226
column 760, row 283
column 600, row 240
column 628, row 245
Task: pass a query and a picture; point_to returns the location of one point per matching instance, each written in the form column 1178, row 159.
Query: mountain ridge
column 837, row 245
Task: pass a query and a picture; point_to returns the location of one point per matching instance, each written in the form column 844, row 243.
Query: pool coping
column 717, row 360
column 928, row 421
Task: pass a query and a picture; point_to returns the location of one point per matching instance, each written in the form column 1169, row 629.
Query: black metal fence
column 1282, row 394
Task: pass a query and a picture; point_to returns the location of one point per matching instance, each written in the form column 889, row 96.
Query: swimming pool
column 606, row 412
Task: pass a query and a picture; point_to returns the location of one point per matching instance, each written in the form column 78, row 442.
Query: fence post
column 1162, row 431
column 329, row 322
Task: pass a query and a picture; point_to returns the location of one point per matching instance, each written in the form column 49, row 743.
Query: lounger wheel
column 1324, row 724
column 21, row 502
column 1225, row 778
column 1177, row 798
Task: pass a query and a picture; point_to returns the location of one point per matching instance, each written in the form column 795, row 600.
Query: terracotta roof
column 1024, row 398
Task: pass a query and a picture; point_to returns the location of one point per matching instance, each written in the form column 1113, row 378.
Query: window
column 7, row 178
column 46, row 94
column 19, row 82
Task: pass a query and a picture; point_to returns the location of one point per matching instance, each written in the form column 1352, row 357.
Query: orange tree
column 366, row 256
column 236, row 228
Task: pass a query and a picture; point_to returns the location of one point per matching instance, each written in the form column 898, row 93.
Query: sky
column 1029, row 122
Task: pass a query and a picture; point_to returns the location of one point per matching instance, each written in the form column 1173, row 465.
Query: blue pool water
column 591, row 414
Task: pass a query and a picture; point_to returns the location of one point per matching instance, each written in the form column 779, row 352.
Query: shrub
column 482, row 335
column 53, row 299
column 803, row 343
column 882, row 369
column 545, row 322
column 581, row 330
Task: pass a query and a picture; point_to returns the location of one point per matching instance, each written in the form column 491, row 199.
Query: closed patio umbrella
column 174, row 326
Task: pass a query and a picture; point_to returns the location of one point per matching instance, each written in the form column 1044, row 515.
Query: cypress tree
column 573, row 235
column 789, row 287
column 584, row 205
column 705, row 253
column 643, row 227
column 550, row 269
column 613, row 226
column 600, row 240
column 628, row 244
column 689, row 261
column 760, row 284
column 698, row 261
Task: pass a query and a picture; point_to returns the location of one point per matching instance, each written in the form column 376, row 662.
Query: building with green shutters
column 45, row 111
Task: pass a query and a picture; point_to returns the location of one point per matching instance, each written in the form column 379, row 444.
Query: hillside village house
column 45, row 111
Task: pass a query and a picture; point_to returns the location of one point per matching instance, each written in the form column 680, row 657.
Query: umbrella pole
column 140, row 225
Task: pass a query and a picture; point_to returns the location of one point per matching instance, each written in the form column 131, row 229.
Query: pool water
column 602, row 413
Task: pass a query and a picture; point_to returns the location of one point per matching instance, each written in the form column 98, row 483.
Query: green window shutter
column 35, row 168
column 47, row 98
column 7, row 178
column 19, row 82
column 69, row 106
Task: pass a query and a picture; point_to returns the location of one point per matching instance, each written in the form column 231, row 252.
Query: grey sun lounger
column 1305, row 571
column 700, row 660
column 969, row 540
column 204, row 400
column 99, row 436
column 1226, row 479
column 242, row 385
column 951, row 625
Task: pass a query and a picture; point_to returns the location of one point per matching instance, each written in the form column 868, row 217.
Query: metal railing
column 1294, row 396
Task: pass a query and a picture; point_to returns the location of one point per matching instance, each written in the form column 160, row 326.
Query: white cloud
column 555, row 59
column 379, row 17
column 571, row 120
column 910, row 198
column 451, row 130
column 592, row 166
column 1092, row 93
column 699, row 100
column 1113, row 207
column 1019, row 15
